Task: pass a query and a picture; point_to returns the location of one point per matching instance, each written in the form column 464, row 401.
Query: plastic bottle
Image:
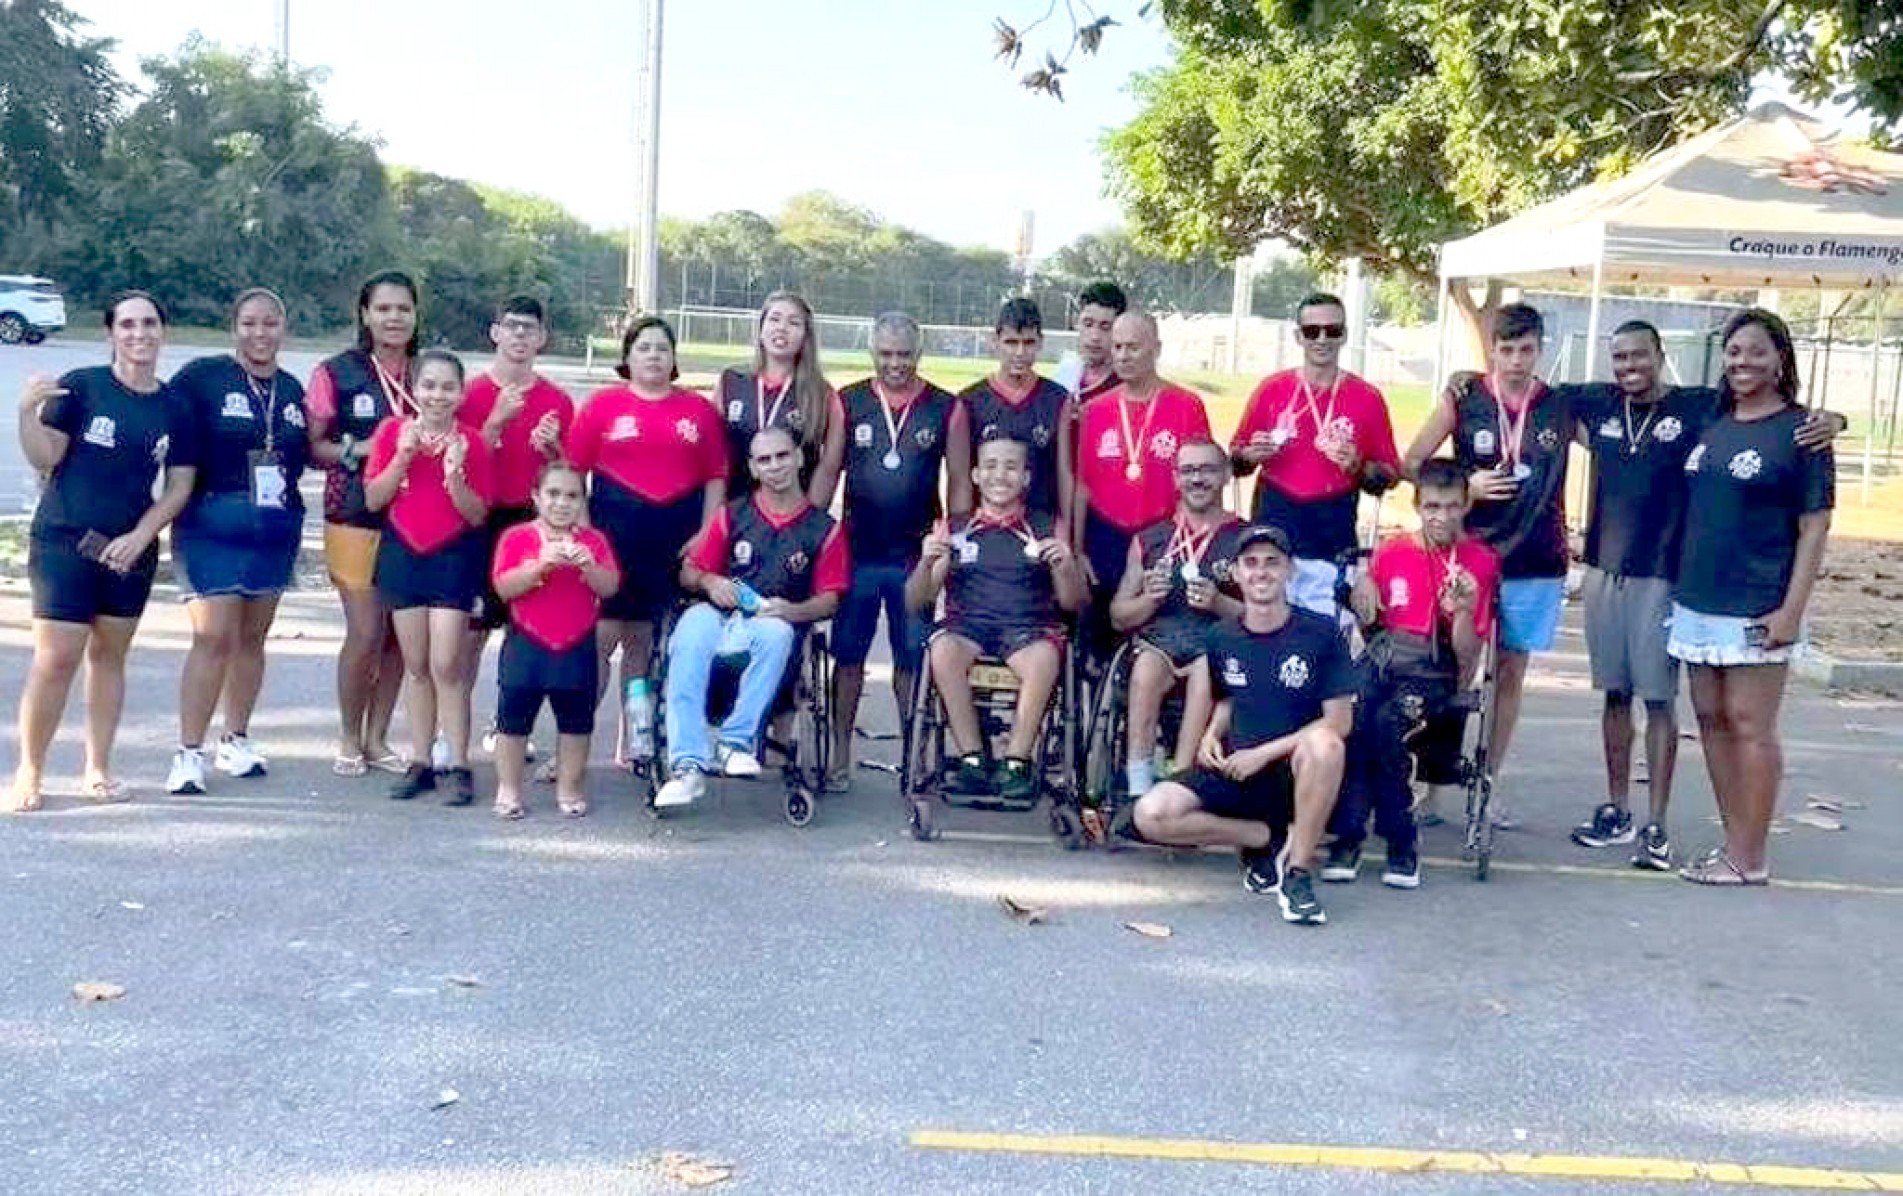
column 640, row 720
column 749, row 598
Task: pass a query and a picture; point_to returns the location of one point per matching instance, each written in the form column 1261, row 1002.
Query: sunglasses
column 1319, row 332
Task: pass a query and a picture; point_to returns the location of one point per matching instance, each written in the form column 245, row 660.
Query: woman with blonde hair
column 786, row 388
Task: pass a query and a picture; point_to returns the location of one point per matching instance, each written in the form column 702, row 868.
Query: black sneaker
column 1297, row 895
column 1343, row 863
column 970, row 775
column 462, row 787
column 1609, row 825
column 1262, row 866
column 1403, row 870
column 416, row 780
column 1655, row 850
column 1017, row 780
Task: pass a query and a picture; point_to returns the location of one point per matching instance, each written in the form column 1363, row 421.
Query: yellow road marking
column 1368, row 1158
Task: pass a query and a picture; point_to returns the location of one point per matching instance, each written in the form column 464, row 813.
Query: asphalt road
column 800, row 1003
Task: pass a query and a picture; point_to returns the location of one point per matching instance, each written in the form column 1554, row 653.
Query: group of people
column 1052, row 515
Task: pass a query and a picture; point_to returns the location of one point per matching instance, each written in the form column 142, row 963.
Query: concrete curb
column 1830, row 672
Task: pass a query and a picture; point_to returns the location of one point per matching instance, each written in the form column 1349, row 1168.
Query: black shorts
column 648, row 539
column 450, row 578
column 68, row 588
column 1268, row 796
column 529, row 674
column 999, row 641
column 1437, row 745
column 495, row 612
column 1182, row 642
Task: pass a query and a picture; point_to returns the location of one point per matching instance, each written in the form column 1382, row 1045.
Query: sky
column 895, row 105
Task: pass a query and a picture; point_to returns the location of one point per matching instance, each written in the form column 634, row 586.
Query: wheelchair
column 1107, row 802
column 798, row 733
column 925, row 777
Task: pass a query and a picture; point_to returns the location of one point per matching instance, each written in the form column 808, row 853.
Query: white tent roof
column 1768, row 200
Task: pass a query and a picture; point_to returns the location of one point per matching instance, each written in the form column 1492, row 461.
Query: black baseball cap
column 1264, row 533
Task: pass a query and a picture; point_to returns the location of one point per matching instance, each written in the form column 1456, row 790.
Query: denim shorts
column 229, row 547
column 1722, row 640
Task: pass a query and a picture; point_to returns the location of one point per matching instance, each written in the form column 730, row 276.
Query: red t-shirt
column 1355, row 409
column 517, row 462
column 320, row 395
column 561, row 612
column 832, row 566
column 658, row 448
column 1159, row 427
column 422, row 514
column 1409, row 576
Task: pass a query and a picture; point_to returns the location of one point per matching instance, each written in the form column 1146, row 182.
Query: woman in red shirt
column 432, row 478
column 657, row 464
column 553, row 574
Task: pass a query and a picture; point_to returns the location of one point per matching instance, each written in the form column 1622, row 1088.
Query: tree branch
column 1724, row 66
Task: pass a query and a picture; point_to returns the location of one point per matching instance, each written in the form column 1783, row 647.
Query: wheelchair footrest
column 990, row 801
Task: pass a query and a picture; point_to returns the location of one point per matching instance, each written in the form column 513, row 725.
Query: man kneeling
column 768, row 564
column 1272, row 755
column 1007, row 579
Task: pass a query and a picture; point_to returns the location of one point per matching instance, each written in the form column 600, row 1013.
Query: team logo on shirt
column 626, row 427
column 1110, row 445
column 1041, row 436
column 237, row 406
column 1398, row 592
column 1163, row 445
column 796, row 420
column 1612, row 430
column 797, row 563
column 742, row 552
column 1222, row 570
column 1696, row 461
column 862, row 435
column 363, row 406
column 925, row 438
column 1746, row 465
column 736, row 411
column 293, row 415
column 988, row 432
column 1232, row 674
column 1549, row 439
column 1668, row 430
column 1483, row 443
column 1293, row 673
column 967, row 550
column 100, row 430
column 687, row 430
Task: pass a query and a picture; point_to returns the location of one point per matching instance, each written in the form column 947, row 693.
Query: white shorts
column 1311, row 586
column 1699, row 638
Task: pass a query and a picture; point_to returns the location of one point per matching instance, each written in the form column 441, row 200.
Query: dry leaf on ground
column 1817, row 821
column 89, row 992
column 1030, row 915
column 692, row 1171
column 446, row 1098
column 464, row 982
column 1150, row 930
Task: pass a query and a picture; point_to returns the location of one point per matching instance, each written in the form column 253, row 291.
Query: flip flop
column 574, row 809
column 511, row 811
column 839, row 782
column 1718, row 870
column 104, row 789
column 390, row 762
column 348, row 766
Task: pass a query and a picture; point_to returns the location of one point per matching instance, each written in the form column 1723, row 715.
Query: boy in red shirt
column 1430, row 598
column 433, row 477
column 552, row 573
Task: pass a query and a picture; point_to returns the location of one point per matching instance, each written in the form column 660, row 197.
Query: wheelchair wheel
column 920, row 822
column 800, row 806
column 1068, row 828
column 1479, row 842
column 1102, row 771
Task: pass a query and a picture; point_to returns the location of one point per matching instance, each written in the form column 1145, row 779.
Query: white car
column 31, row 309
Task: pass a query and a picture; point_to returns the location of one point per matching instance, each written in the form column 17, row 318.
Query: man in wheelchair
column 1178, row 581
column 1269, row 766
column 1427, row 602
column 768, row 565
column 1008, row 579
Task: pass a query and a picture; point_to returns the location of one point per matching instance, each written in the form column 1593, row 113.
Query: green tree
column 57, row 97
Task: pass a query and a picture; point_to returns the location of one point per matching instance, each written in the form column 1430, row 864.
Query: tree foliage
column 57, row 92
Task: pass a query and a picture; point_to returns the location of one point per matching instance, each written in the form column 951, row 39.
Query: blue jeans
column 702, row 636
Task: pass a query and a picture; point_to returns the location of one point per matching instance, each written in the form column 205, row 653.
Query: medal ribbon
column 1315, row 412
column 1186, row 545
column 401, row 403
column 761, row 414
column 1512, row 432
column 892, row 429
column 1015, row 523
column 1134, row 448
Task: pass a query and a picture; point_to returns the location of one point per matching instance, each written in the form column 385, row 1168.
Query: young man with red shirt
column 1428, row 600
column 1315, row 437
column 769, row 565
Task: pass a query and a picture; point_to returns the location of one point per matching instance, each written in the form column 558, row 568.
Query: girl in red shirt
column 553, row 574
column 657, row 464
column 432, row 477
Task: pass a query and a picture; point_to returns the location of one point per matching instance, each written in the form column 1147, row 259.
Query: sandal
column 390, row 762
column 348, row 766
column 839, row 781
column 104, row 789
column 577, row 808
column 1717, row 869
column 510, row 811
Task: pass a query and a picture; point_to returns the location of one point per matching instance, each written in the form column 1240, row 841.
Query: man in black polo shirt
column 903, row 435
column 1269, row 766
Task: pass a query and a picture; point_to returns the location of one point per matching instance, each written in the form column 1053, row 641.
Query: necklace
column 1634, row 441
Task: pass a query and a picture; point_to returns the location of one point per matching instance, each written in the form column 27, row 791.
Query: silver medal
column 1191, row 574
column 1033, row 548
column 1522, row 471
column 891, row 460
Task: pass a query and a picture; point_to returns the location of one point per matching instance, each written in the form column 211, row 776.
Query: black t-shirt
column 1277, row 681
column 1218, row 564
column 991, row 581
column 1637, row 519
column 1749, row 482
column 743, row 403
column 118, row 444
column 889, row 512
column 1036, row 420
column 1528, row 530
column 234, row 415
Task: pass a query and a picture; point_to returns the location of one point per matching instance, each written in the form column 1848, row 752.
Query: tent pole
column 1876, row 390
column 1592, row 315
column 1445, row 300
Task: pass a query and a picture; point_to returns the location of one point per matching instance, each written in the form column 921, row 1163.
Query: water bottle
column 749, row 598
column 640, row 720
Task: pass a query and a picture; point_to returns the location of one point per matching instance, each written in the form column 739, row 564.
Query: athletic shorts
column 1311, row 586
column 875, row 588
column 648, row 540
column 68, row 588
column 1529, row 613
column 350, row 553
column 448, row 579
column 1181, row 642
column 1721, row 640
column 495, row 612
column 1628, row 626
column 1000, row 641
column 1268, row 796
column 529, row 675
column 229, row 547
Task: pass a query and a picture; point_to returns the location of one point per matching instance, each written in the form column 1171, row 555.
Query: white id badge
column 267, row 481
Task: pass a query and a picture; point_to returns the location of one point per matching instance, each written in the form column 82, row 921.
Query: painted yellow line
column 1640, row 874
column 1371, row 1158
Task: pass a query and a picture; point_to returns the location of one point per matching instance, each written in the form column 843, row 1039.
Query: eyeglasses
column 1319, row 332
column 1201, row 471
column 519, row 325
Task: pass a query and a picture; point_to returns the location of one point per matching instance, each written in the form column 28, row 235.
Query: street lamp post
column 644, row 243
column 283, row 32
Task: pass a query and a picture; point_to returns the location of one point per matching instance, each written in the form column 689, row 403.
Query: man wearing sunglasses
column 1315, row 437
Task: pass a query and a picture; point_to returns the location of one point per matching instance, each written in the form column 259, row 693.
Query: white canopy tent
column 1769, row 200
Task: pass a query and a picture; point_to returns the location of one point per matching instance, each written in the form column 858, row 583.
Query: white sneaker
column 739, row 762
column 188, row 772
column 685, row 788
column 236, row 757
